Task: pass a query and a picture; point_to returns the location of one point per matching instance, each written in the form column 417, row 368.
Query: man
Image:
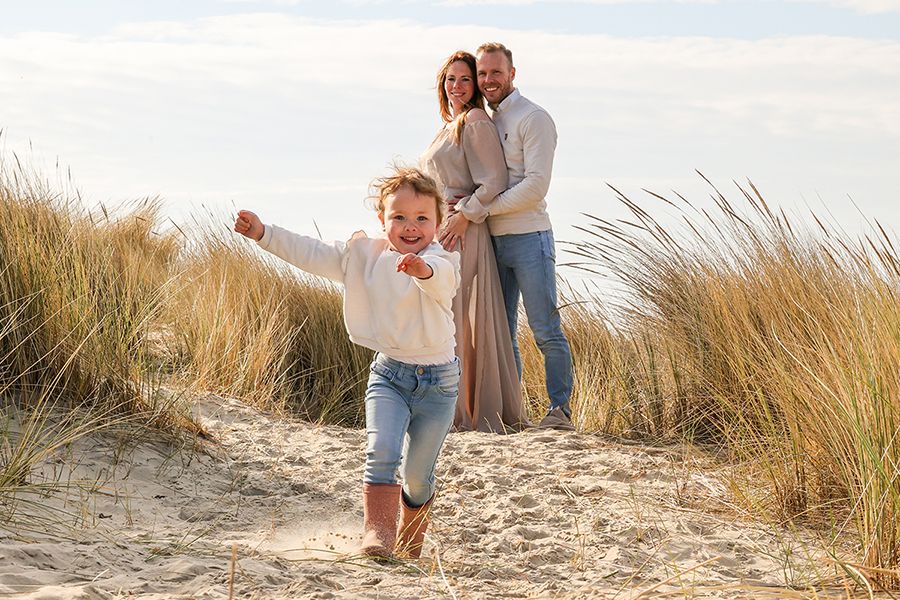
column 520, row 226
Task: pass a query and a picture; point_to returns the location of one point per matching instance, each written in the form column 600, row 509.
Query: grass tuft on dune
column 781, row 344
column 778, row 346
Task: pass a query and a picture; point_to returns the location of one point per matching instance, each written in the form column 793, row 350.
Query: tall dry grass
column 79, row 298
column 106, row 318
column 79, row 295
column 780, row 344
column 617, row 373
column 788, row 353
column 253, row 327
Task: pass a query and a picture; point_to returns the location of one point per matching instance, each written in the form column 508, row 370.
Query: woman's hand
column 452, row 202
column 249, row 225
column 454, row 231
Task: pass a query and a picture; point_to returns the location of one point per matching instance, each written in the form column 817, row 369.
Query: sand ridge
column 541, row 514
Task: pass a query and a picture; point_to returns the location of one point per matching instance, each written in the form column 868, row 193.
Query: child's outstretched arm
column 249, row 225
column 311, row 255
column 415, row 265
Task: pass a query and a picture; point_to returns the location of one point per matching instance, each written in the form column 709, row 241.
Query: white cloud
column 220, row 107
column 861, row 6
column 598, row 2
column 289, row 53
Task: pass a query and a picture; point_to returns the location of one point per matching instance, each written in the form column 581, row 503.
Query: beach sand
column 541, row 514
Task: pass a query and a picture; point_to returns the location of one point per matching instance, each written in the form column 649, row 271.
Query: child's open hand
column 415, row 265
column 249, row 225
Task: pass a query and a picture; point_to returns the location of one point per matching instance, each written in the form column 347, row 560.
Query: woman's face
column 459, row 84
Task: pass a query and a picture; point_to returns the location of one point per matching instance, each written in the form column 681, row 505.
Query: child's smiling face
column 409, row 219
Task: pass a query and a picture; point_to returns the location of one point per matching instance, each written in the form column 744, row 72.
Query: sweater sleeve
column 538, row 145
column 442, row 284
column 312, row 255
column 484, row 157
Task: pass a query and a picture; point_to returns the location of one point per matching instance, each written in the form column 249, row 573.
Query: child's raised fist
column 249, row 225
column 415, row 265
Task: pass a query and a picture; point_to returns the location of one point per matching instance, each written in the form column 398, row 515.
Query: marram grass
column 253, row 327
column 788, row 346
column 777, row 344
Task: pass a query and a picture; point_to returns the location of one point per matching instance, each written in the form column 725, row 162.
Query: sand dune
column 542, row 514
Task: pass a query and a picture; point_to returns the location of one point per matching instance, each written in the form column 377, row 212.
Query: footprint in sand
column 620, row 475
column 299, row 487
column 529, row 533
column 503, row 482
column 194, row 514
column 296, row 460
column 183, row 570
column 525, row 501
column 544, row 438
column 472, row 485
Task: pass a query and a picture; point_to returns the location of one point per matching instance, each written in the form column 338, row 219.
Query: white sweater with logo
column 401, row 316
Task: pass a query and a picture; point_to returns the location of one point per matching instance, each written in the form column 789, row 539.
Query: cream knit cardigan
column 401, row 316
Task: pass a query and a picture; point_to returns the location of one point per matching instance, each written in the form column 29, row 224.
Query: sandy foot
column 542, row 514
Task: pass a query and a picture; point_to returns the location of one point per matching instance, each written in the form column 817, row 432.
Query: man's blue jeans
column 409, row 410
column 527, row 266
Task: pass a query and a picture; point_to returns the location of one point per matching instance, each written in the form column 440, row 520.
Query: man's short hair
column 495, row 47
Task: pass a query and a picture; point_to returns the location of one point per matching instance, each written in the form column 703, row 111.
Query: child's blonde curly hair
column 400, row 176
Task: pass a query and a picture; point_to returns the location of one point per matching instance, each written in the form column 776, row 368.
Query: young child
column 398, row 293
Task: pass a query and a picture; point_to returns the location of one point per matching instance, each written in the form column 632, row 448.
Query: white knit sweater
column 401, row 316
column 528, row 136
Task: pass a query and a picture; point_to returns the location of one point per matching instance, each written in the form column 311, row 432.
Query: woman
column 467, row 160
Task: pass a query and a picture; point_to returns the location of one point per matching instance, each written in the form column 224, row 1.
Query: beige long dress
column 490, row 397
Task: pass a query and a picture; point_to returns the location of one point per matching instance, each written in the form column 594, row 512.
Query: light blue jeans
column 409, row 410
column 526, row 263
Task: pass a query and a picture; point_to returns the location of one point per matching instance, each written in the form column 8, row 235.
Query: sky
column 291, row 107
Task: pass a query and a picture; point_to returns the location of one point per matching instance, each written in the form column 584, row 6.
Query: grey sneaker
column 557, row 419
